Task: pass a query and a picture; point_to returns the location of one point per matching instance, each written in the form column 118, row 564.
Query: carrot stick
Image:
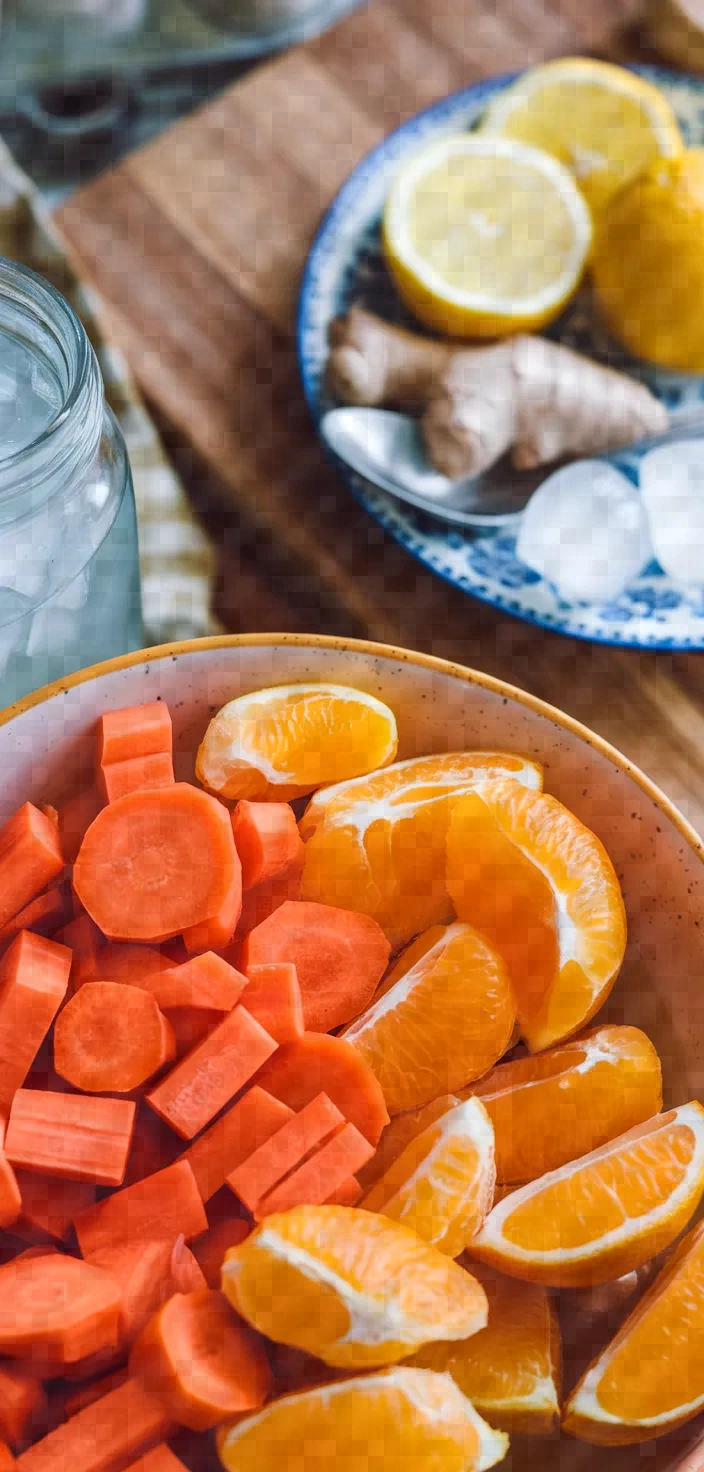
column 162, row 1205
column 327, row 1170
column 274, row 998
column 119, row 779
column 148, row 1273
column 316, row 1064
column 137, row 730
column 201, row 1360
column 111, row 1037
column 267, row 840
column 162, row 1459
column 44, row 915
column 340, row 957
column 205, row 981
column 10, row 1196
column 348, row 1194
column 22, row 1405
column 285, row 1150
column 154, row 864
column 55, row 1310
column 210, row 1249
column 30, row 857
column 34, row 976
column 70, row 1136
column 86, row 1395
column 75, row 817
column 206, row 1079
column 49, row 1206
column 104, row 1436
column 228, row 1142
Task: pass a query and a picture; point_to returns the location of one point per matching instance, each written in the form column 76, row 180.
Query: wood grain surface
column 197, row 244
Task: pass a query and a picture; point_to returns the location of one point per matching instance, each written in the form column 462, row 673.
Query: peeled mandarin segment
column 554, row 1107
column 399, row 1133
column 377, row 844
column 352, row 1288
column 604, row 1215
column 442, row 1185
column 651, row 1377
column 443, row 1017
column 281, row 743
column 410, row 1417
column 542, row 889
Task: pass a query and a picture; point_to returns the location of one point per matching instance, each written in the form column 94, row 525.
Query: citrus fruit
column 485, row 236
column 605, row 1214
column 558, row 1105
column 278, row 744
column 650, row 1378
column 377, row 844
column 410, row 1418
column 511, row 1371
column 442, row 1185
column 399, row 1133
column 352, row 1288
column 648, row 265
column 542, row 889
column 603, row 123
column 443, row 1017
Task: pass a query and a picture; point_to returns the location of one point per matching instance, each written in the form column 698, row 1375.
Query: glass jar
column 69, row 562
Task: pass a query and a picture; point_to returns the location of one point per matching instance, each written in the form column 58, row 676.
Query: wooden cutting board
column 197, row 244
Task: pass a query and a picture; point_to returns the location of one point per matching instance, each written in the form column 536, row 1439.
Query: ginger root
column 526, row 394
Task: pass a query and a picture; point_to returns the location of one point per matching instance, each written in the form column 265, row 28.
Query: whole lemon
column 648, row 263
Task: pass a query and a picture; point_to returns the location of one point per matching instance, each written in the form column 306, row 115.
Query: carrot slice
column 148, row 1274
column 267, row 840
column 119, row 779
column 34, row 976
column 274, row 998
column 55, row 1310
column 111, row 1037
column 30, row 857
column 348, row 1194
column 44, row 915
column 7, row 1461
column 49, row 1206
column 206, row 1079
column 206, row 981
column 217, row 932
column 284, row 1151
column 201, row 1360
column 86, row 1395
column 340, row 958
column 22, row 1405
column 228, row 1142
column 162, row 1205
column 162, row 1459
column 104, row 1436
column 315, row 1064
column 67, row 1135
column 155, row 864
column 319, row 1177
column 210, row 1249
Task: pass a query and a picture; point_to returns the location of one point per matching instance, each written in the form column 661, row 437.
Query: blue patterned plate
column 346, row 265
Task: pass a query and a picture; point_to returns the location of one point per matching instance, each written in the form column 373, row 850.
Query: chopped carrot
column 278, row 1156
column 68, row 1135
column 10, row 1196
column 162, row 1459
column 186, row 1272
column 340, row 958
column 162, row 1205
column 348, row 1194
column 22, row 1405
column 75, row 817
column 40, row 1250
column 111, row 1037
column 137, row 730
column 124, row 963
column 86, row 1395
column 55, row 1310
column 7, row 1461
column 154, row 1146
column 267, row 840
column 217, row 932
column 262, row 900
column 34, row 976
column 148, row 1274
column 201, row 1361
column 205, row 981
column 104, row 1436
column 85, row 942
column 44, row 915
column 274, row 998
column 155, row 864
column 206, row 1079
column 30, row 857
column 316, row 1064
column 49, row 1205
column 328, row 1169
column 191, row 1026
column 228, row 1142
column 119, row 779
column 210, row 1249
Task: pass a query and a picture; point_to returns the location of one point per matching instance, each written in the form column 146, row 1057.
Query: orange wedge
column 443, row 1017
column 399, row 1133
column 281, row 743
column 558, row 1105
column 511, row 1371
column 651, row 1377
column 354, row 1289
column 606, row 1214
column 397, row 1418
column 442, row 1185
column 378, row 844
column 541, row 887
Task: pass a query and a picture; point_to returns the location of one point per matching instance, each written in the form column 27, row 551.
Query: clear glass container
column 69, row 561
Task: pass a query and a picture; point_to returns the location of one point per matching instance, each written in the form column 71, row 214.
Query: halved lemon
column 485, row 236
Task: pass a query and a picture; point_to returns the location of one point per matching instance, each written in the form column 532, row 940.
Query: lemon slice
column 485, row 236
column 604, row 123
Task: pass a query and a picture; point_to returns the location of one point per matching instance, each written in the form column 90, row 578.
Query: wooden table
column 197, row 243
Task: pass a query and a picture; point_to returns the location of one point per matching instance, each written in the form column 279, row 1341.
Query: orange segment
column 281, row 743
column 651, row 1377
column 442, row 1185
column 558, row 1105
column 511, row 1371
column 541, row 887
column 606, row 1214
column 378, row 844
column 352, row 1288
column 443, row 1017
column 399, row 1133
column 410, row 1418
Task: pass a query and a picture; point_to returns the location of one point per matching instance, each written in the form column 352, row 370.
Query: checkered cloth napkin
column 177, row 560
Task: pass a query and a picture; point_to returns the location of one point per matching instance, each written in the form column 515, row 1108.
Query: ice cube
column 672, row 487
column 585, row 530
